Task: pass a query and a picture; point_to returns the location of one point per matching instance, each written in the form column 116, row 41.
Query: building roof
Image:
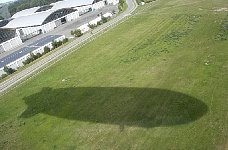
column 30, row 20
column 25, row 12
column 32, row 17
column 71, row 4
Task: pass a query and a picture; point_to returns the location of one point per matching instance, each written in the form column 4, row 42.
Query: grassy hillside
column 157, row 81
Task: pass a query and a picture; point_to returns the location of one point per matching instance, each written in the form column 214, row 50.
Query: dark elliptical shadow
column 141, row 107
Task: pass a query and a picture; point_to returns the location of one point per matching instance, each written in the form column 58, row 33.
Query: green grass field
column 157, row 81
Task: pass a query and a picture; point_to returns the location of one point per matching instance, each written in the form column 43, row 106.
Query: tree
column 92, row 26
column 38, row 55
column 1, row 18
column 3, row 76
column 46, row 49
column 65, row 40
column 78, row 33
column 9, row 70
column 72, row 32
column 104, row 19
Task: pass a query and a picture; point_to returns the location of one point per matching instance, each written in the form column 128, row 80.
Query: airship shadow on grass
column 123, row 106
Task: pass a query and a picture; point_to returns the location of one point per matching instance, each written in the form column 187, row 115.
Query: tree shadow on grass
column 142, row 107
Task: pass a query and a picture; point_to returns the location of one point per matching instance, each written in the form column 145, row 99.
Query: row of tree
column 55, row 45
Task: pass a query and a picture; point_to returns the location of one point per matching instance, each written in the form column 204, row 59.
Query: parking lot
column 27, row 49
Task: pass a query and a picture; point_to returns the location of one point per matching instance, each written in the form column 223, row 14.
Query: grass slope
column 157, row 81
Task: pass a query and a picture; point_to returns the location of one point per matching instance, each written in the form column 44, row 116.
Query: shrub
column 38, row 55
column 27, row 61
column 113, row 12
column 46, row 49
column 78, row 33
column 104, row 19
column 32, row 56
column 59, row 43
column 72, row 32
column 54, row 44
column 92, row 26
column 9, row 70
column 3, row 76
column 65, row 40
column 99, row 23
column 121, row 5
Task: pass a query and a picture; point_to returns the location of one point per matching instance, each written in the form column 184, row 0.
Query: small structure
column 84, row 28
column 107, row 15
column 142, row 3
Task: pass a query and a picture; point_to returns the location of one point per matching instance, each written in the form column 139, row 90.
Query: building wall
column 30, row 32
column 72, row 16
column 48, row 27
column 98, row 5
column 12, row 43
column 112, row 2
column 2, row 71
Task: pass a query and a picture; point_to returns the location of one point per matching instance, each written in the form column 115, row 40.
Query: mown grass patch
column 172, row 96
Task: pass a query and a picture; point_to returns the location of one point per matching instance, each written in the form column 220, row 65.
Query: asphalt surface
column 57, row 55
column 27, row 49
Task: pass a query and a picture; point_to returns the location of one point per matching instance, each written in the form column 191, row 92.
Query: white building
column 31, row 22
column 84, row 28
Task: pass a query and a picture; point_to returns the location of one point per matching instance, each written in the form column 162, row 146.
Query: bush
column 28, row 61
column 3, row 76
column 46, row 50
column 38, row 55
column 65, row 40
column 9, row 70
column 32, row 56
column 92, row 26
column 113, row 12
column 99, row 23
column 104, row 19
column 59, row 43
column 121, row 5
column 72, row 32
column 78, row 33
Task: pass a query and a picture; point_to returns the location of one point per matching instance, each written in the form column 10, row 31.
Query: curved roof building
column 38, row 18
column 71, row 4
column 25, row 12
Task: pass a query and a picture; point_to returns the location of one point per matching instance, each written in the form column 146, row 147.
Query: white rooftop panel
column 25, row 12
column 31, row 20
column 71, row 3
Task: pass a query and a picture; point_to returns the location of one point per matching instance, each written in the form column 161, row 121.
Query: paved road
column 54, row 57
